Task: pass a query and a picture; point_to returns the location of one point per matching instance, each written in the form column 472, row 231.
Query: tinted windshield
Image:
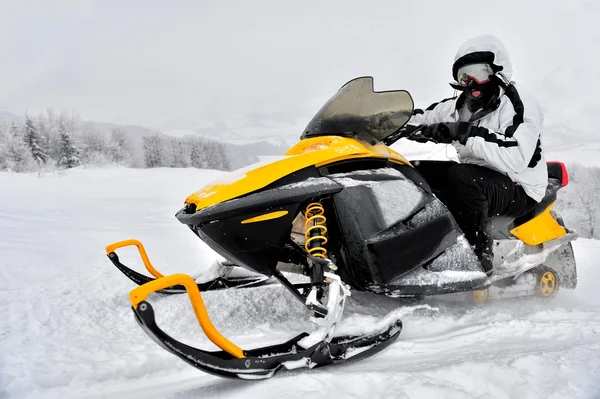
column 356, row 108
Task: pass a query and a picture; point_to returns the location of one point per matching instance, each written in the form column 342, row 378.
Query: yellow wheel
column 481, row 296
column 548, row 283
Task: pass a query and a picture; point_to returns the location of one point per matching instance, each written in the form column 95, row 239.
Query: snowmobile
column 348, row 212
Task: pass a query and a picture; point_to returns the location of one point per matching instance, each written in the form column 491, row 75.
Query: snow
column 424, row 277
column 310, row 182
column 67, row 329
column 429, row 212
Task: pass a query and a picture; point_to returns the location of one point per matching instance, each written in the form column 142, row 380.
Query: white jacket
column 510, row 128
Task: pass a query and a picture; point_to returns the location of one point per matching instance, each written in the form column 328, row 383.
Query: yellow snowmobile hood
column 317, row 151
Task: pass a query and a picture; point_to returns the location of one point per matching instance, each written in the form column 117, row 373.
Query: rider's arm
column 442, row 111
column 513, row 147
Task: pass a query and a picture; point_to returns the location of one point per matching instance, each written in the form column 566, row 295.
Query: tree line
column 579, row 202
column 61, row 140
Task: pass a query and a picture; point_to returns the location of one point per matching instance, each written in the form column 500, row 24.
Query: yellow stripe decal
column 266, row 216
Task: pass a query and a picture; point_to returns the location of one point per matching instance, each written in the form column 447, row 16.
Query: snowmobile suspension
column 315, row 230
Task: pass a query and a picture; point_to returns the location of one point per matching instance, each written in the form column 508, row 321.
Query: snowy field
column 67, row 329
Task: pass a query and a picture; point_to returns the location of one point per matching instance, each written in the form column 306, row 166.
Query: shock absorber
column 315, row 230
column 320, row 265
column 316, row 238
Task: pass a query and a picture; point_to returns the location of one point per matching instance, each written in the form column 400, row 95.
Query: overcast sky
column 154, row 63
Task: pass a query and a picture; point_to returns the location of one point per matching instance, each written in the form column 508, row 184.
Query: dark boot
column 484, row 247
column 487, row 262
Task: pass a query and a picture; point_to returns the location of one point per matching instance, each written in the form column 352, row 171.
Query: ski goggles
column 479, row 73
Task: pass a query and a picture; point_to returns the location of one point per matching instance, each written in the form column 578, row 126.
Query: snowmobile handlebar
column 414, row 133
column 410, row 132
column 138, row 296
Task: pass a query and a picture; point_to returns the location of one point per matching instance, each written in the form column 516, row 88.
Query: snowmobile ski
column 259, row 363
column 219, row 283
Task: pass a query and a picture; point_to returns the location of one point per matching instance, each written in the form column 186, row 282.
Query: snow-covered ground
column 66, row 328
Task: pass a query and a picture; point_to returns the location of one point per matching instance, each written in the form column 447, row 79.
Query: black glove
column 414, row 133
column 447, row 132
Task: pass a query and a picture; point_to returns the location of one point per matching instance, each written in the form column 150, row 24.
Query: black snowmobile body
column 372, row 250
column 385, row 230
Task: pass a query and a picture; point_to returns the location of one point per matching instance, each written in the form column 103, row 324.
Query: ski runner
column 496, row 131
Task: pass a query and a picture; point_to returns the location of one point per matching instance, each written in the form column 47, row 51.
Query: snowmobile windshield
column 357, row 109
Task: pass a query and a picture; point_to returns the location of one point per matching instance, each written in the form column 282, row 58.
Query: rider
column 496, row 131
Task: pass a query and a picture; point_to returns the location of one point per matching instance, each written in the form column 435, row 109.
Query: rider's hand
column 447, row 132
column 413, row 133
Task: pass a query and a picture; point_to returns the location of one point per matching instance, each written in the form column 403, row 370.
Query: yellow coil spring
column 315, row 222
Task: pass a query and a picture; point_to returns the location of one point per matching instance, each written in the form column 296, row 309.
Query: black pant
column 474, row 194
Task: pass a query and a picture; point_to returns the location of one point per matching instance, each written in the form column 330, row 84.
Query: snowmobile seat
column 557, row 179
column 502, row 224
column 549, row 198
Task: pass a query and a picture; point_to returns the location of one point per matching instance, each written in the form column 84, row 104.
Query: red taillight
column 564, row 175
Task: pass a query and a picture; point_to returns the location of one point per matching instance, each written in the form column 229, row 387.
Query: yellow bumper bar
column 141, row 293
column 141, row 250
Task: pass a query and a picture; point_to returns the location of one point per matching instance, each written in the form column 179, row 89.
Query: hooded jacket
column 507, row 133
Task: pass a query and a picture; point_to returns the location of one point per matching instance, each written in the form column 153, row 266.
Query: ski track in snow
column 68, row 331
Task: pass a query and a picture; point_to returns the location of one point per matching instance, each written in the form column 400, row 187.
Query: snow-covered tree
column 198, row 158
column 222, row 161
column 34, row 141
column 48, row 124
column 579, row 202
column 119, row 147
column 95, row 147
column 17, row 156
column 153, row 152
column 216, row 157
column 68, row 154
column 181, row 154
column 3, row 145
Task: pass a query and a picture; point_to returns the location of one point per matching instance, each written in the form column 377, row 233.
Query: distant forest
column 579, row 201
column 60, row 140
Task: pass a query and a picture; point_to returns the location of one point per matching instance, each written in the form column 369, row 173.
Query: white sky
column 194, row 63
